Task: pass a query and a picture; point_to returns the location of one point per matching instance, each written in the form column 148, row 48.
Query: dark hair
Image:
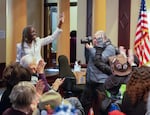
column 64, row 67
column 138, row 86
column 25, row 35
column 14, row 73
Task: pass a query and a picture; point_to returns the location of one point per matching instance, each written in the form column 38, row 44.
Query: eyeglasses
column 119, row 66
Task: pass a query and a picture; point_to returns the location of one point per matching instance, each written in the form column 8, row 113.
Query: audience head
column 64, row 67
column 14, row 73
column 29, row 61
column 99, row 38
column 22, row 95
column 48, row 102
column 34, row 65
column 138, row 86
column 100, row 34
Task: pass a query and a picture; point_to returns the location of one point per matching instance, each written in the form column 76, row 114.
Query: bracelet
column 53, row 88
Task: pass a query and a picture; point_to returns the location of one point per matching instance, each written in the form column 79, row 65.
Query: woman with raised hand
column 31, row 43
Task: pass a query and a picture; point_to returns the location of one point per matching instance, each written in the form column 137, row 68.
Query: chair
column 70, row 88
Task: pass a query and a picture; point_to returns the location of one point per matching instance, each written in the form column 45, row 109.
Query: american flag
column 142, row 39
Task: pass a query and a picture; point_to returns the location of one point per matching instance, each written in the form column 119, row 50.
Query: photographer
column 100, row 48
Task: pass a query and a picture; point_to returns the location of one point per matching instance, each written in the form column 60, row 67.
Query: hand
column 130, row 57
column 40, row 87
column 39, row 91
column 61, row 20
column 88, row 45
column 57, row 83
column 122, row 51
column 41, row 66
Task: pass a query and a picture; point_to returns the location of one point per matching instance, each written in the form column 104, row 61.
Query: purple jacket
column 43, row 78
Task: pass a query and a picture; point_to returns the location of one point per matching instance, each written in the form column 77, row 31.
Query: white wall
column 111, row 24
column 81, row 29
column 73, row 18
column 112, row 20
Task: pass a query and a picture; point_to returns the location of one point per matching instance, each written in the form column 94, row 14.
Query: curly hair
column 138, row 86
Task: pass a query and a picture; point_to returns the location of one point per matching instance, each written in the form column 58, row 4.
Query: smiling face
column 32, row 33
column 29, row 34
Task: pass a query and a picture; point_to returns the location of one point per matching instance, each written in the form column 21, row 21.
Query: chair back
column 64, row 67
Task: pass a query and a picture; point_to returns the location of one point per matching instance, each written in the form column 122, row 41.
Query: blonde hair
column 22, row 94
column 100, row 34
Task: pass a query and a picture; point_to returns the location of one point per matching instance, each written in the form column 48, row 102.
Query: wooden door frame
column 124, row 23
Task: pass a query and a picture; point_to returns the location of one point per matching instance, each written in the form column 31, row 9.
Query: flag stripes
column 142, row 39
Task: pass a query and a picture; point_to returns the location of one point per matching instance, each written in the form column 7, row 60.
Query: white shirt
column 35, row 48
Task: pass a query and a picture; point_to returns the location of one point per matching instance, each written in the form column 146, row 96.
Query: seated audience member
column 12, row 74
column 37, row 70
column 69, row 86
column 138, row 87
column 51, row 102
column 21, row 97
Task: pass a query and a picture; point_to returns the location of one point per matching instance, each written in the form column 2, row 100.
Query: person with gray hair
column 96, row 75
column 37, row 70
column 12, row 74
column 21, row 97
column 28, row 61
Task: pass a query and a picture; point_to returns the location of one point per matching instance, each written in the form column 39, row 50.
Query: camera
column 86, row 40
